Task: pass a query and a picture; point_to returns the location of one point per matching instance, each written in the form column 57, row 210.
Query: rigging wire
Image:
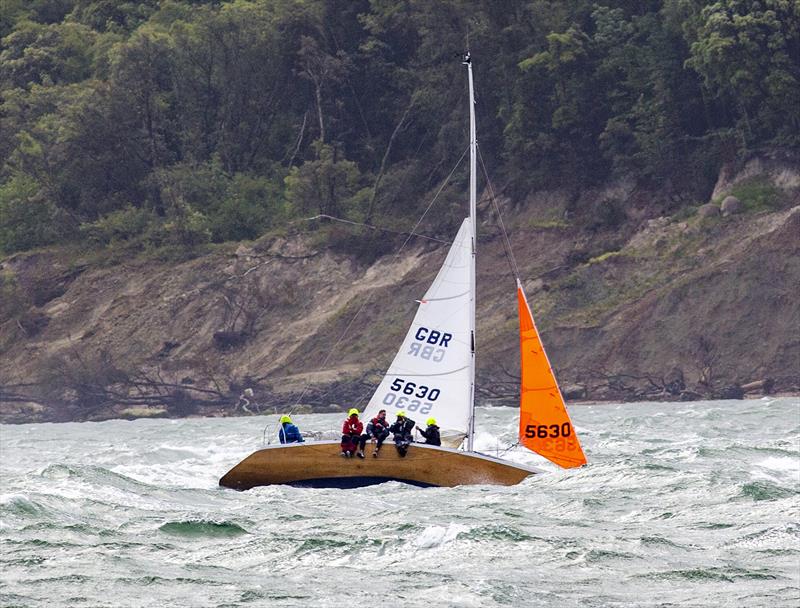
column 506, row 240
column 371, row 227
column 509, row 255
column 368, row 298
column 507, row 450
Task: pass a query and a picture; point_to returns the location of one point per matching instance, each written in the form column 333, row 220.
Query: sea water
column 682, row 504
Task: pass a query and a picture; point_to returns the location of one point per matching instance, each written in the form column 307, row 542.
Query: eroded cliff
column 637, row 295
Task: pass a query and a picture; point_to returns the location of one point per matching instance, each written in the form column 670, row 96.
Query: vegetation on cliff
column 182, row 122
column 142, row 142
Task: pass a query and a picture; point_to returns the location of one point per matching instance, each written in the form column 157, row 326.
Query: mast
column 473, row 188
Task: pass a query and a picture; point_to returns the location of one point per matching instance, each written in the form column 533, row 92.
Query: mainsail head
column 544, row 424
column 430, row 375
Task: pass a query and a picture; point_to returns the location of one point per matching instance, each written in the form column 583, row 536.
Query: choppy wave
column 211, row 529
column 681, row 505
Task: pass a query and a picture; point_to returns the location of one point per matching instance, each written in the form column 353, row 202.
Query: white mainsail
column 431, row 374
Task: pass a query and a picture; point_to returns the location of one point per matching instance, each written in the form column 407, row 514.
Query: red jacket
column 352, row 426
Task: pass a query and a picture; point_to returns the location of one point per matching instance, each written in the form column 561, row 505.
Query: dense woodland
column 177, row 123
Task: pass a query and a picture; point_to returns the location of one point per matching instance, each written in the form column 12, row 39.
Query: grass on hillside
column 542, row 224
column 757, row 194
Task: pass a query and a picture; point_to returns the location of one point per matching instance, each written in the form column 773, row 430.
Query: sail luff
column 544, row 424
column 473, row 197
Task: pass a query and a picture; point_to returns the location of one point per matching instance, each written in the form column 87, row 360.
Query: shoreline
column 10, row 419
column 747, row 397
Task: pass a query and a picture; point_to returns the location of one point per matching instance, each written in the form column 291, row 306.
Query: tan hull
column 321, row 465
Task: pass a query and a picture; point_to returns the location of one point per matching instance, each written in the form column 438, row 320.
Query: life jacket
column 377, row 426
column 352, row 426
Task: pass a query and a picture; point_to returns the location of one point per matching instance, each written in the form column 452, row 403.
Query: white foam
column 435, row 536
column 780, row 463
column 11, row 499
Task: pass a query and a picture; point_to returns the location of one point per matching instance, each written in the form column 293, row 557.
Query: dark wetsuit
column 431, row 435
column 401, row 430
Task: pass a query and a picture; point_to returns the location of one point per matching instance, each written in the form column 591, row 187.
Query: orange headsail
column 544, row 425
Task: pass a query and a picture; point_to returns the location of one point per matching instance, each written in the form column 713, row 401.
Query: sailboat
column 433, row 376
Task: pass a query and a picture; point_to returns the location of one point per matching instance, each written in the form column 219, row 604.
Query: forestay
column 430, row 375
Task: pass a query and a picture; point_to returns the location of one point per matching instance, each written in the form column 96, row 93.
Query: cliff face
column 631, row 301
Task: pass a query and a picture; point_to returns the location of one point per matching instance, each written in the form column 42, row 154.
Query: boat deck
column 320, row 465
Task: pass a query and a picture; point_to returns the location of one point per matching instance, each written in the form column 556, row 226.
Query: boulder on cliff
column 731, row 205
column 708, row 210
column 573, row 392
column 732, row 391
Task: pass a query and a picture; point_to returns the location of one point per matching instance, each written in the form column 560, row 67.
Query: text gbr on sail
column 427, row 342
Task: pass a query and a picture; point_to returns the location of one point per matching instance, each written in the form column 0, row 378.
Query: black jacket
column 401, row 429
column 431, row 435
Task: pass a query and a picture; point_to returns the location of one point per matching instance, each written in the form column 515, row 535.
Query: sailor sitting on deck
column 289, row 433
column 377, row 431
column 402, row 432
column 431, row 434
column 351, row 434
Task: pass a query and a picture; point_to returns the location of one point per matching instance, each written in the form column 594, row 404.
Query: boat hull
column 321, row 465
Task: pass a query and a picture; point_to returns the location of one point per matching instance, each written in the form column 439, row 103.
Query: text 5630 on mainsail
column 404, row 392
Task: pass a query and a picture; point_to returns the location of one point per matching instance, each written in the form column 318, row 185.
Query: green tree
column 46, row 54
column 328, row 185
column 113, row 15
column 239, row 206
column 656, row 115
column 251, row 205
column 143, row 95
column 748, row 53
column 27, row 218
column 554, row 127
column 234, row 84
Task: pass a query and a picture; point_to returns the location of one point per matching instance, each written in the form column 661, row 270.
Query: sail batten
column 455, row 297
column 407, row 373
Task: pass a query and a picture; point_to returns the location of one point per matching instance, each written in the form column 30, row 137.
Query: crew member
column 289, row 433
column 401, row 429
column 351, row 435
column 431, row 434
column 377, row 431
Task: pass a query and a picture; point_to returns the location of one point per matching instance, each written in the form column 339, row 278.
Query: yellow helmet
column 353, row 411
column 401, row 414
column 285, row 418
column 431, row 421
